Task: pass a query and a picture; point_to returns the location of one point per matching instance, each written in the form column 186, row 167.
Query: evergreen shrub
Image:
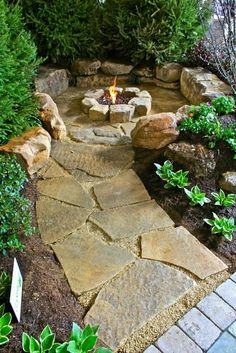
column 18, row 64
column 64, row 29
column 151, row 29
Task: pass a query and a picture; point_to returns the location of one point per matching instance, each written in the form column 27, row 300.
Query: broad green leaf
column 95, row 329
column 89, row 343
column 72, row 347
column 102, row 350
column 46, row 332
column 48, row 341
column 34, row 345
column 62, row 348
column 25, row 342
column 3, row 340
column 6, row 330
column 87, row 331
column 5, row 319
column 76, row 333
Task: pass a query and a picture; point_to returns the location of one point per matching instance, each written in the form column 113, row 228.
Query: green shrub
column 14, row 209
column 157, row 29
column 223, row 104
column 64, row 29
column 5, row 285
column 18, row 107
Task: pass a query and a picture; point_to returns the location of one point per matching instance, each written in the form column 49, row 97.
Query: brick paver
column 232, row 329
column 227, row 291
column 225, row 344
column 152, row 349
column 213, row 307
column 176, row 341
column 198, row 327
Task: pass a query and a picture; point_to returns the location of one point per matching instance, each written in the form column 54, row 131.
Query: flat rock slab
column 134, row 298
column 52, row 170
column 66, row 189
column 179, row 247
column 88, row 262
column 102, row 161
column 102, row 136
column 56, row 219
column 124, row 189
column 133, row 220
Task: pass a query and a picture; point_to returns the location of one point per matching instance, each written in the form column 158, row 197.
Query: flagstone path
column 91, row 206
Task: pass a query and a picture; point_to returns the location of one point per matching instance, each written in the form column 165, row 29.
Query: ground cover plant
column 18, row 108
column 151, row 29
column 177, row 179
column 224, row 226
column 204, row 120
column 15, row 218
column 5, row 325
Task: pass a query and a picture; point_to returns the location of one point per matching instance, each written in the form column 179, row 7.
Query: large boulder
column 196, row 158
column 52, row 81
column 155, row 131
column 114, row 68
column 85, row 67
column 199, row 85
column 228, row 182
column 50, row 117
column 169, row 72
column 33, row 148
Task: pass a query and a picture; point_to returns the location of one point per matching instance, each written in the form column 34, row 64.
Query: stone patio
column 111, row 239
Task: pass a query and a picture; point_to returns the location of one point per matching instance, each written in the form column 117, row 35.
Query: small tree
column 218, row 49
column 18, row 65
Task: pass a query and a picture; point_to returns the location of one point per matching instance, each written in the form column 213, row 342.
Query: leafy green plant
column 174, row 179
column 82, row 341
column 196, row 196
column 64, row 30
column 201, row 110
column 223, row 200
column 15, row 217
column 159, row 30
column 45, row 344
column 5, row 284
column 5, row 325
column 18, row 106
column 164, row 171
column 224, row 226
column 224, row 104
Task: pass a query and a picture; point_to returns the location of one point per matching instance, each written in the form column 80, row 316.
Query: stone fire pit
column 130, row 102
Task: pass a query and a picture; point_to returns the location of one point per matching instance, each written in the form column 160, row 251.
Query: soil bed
column 47, row 298
column 176, row 204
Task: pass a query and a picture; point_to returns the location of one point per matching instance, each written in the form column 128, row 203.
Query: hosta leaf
column 48, row 341
column 25, row 342
column 3, row 340
column 46, row 332
column 76, row 333
column 5, row 319
column 62, row 348
column 89, row 343
column 6, row 330
column 102, row 350
column 72, row 347
column 34, row 345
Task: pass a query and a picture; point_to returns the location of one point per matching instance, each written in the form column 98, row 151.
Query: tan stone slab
column 57, row 219
column 54, row 171
column 133, row 220
column 179, row 247
column 134, row 298
column 88, row 262
column 124, row 189
column 66, row 189
column 102, row 161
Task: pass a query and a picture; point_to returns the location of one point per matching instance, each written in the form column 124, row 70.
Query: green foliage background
column 18, row 65
column 151, row 29
column 64, row 29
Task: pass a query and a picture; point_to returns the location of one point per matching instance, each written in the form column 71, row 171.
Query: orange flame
column 113, row 91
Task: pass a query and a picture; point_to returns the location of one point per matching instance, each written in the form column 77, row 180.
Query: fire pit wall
column 127, row 103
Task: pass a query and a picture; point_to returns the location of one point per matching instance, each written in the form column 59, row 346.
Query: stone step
column 134, row 298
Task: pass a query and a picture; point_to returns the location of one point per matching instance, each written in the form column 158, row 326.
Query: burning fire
column 113, row 91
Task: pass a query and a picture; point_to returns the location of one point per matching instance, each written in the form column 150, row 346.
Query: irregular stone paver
column 127, row 128
column 121, row 190
column 83, row 177
column 94, row 160
column 199, row 328
column 88, row 262
column 227, row 291
column 99, row 136
column 66, row 189
column 57, row 219
column 225, row 344
column 140, row 293
column 232, row 329
column 131, row 220
column 54, row 171
column 152, row 349
column 176, row 341
column 179, row 247
column 233, row 277
column 217, row 310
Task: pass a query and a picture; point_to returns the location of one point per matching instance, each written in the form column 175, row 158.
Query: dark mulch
column 175, row 203
column 120, row 99
column 47, row 298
